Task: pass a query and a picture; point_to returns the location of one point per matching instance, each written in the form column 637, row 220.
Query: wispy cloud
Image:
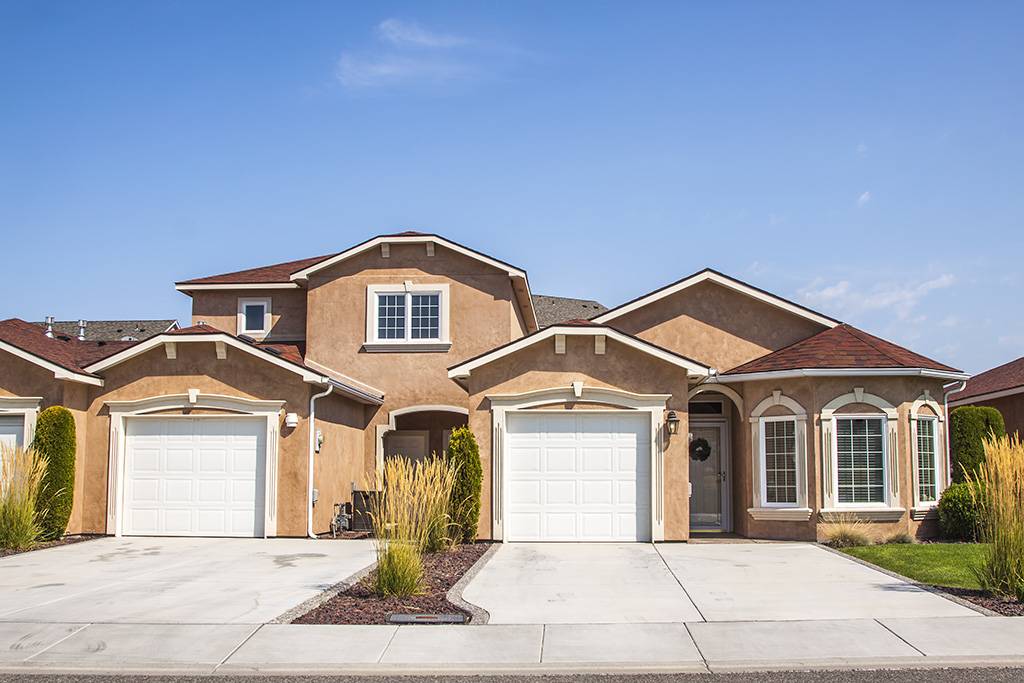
column 404, row 53
column 410, row 34
column 844, row 298
column 862, row 150
column 863, row 199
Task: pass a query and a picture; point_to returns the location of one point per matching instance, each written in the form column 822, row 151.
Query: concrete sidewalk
column 700, row 646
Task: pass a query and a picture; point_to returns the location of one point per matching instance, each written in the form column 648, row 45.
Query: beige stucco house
column 706, row 406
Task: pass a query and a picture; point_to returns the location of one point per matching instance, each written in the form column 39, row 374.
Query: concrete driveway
column 532, row 583
column 173, row 580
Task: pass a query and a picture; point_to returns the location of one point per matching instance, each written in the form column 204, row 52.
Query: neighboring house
column 109, row 330
column 1001, row 388
column 706, row 405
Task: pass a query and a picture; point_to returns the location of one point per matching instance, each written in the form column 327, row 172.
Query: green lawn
column 940, row 564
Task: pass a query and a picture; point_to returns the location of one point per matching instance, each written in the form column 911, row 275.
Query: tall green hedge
column 464, row 453
column 969, row 425
column 55, row 442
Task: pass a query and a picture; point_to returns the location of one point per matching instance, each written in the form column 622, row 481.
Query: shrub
column 969, row 427
column 21, row 476
column 846, row 531
column 410, row 514
column 464, row 454
column 999, row 493
column 901, row 537
column 958, row 513
column 55, row 443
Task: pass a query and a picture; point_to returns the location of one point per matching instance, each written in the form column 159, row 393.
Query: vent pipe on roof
column 81, row 330
column 49, row 326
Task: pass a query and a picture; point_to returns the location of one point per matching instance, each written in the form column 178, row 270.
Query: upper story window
column 254, row 316
column 927, row 465
column 860, row 456
column 407, row 317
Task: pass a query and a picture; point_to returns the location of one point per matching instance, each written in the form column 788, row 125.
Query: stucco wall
column 621, row 367
column 219, row 309
column 716, row 325
column 339, row 464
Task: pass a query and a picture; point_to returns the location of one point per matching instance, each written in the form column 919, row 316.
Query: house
column 706, row 405
column 1001, row 388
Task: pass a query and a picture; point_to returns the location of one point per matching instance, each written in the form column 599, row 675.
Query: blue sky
column 862, row 158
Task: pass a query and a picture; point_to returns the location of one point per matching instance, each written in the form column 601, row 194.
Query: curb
column 923, row 586
column 319, row 599
column 478, row 615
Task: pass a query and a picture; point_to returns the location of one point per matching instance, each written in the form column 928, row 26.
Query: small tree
column 55, row 443
column 464, row 454
column 969, row 427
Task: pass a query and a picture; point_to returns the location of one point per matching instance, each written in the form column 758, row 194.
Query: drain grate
column 426, row 618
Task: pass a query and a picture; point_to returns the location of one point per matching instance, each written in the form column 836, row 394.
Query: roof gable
column 1004, row 379
column 707, row 275
column 64, row 356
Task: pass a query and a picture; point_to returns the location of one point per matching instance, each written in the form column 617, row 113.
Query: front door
column 709, row 461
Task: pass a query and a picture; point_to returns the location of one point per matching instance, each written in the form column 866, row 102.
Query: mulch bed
column 67, row 540
column 360, row 605
column 1007, row 608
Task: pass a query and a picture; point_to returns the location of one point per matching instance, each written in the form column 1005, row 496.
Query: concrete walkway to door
column 579, row 583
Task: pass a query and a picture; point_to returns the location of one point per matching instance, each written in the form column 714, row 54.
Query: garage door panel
column 593, row 482
column 194, row 476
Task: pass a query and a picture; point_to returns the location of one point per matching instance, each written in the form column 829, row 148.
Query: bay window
column 860, row 460
column 779, row 461
column 927, row 462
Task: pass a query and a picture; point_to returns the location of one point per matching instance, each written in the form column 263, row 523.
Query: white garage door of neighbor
column 194, row 476
column 12, row 429
column 579, row 477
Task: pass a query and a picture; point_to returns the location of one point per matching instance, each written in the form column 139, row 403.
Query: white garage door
column 579, row 476
column 195, row 476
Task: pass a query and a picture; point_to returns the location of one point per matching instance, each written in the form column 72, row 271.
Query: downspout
column 312, row 453
column 945, row 407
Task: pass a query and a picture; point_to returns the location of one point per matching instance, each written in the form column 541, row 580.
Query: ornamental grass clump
column 845, row 530
column 410, row 516
column 998, row 487
column 21, row 477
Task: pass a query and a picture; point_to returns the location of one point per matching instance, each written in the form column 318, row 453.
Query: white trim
column 780, row 514
column 184, row 287
column 799, row 456
column 28, row 408
column 777, row 398
column 464, row 370
column 407, row 344
column 264, row 301
column 212, row 337
column 724, row 281
column 58, row 371
column 937, row 459
column 121, row 411
column 840, row 372
column 723, row 389
column 987, row 397
column 503, row 404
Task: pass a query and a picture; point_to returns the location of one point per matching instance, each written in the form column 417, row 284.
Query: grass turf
column 939, row 564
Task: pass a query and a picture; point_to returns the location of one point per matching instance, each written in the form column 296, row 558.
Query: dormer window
column 254, row 317
column 407, row 317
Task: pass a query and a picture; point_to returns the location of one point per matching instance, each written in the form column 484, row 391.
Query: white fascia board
column 986, row 397
column 838, row 372
column 347, row 381
column 725, row 282
column 462, row 371
column 58, row 371
column 245, row 285
column 404, row 239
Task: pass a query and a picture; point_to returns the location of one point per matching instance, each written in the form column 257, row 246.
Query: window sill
column 924, row 512
column 780, row 514
column 865, row 514
column 407, row 347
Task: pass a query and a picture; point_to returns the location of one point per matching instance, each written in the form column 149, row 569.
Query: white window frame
column 27, row 407
column 374, row 343
column 778, row 512
column 886, row 473
column 936, row 461
column 254, row 301
column 796, row 458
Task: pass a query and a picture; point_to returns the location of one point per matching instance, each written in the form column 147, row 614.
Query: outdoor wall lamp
column 672, row 420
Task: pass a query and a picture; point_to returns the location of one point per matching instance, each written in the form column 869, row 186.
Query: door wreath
column 700, row 449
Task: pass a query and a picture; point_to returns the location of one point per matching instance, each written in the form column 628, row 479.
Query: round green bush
column 54, row 441
column 969, row 426
column 464, row 454
column 958, row 513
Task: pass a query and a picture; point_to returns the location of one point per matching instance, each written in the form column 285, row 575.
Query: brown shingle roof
column 843, row 346
column 112, row 330
column 552, row 310
column 1003, row 378
column 277, row 273
column 62, row 350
